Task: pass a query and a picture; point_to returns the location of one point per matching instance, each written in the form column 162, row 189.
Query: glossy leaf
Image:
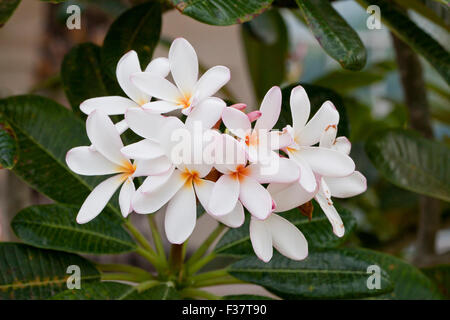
column 245, row 297
column 7, row 7
column 266, row 47
column 336, row 37
column 136, row 29
column 318, row 232
column 31, row 273
column 8, row 145
column 54, row 227
column 325, row 274
column 440, row 275
column 411, row 162
column 222, row 12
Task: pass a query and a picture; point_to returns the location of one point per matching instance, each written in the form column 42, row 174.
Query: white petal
column 153, row 183
column 183, row 65
column 144, row 149
column 155, row 86
column 224, row 195
column 327, row 162
column 125, row 196
column 151, row 167
column 236, row 121
column 261, row 239
column 150, row 202
column 288, row 196
column 346, row 187
column 330, row 211
column 328, row 137
column 280, row 170
column 206, row 114
column 98, row 199
column 307, row 177
column 287, row 239
column 161, row 106
column 181, row 215
column 112, row 105
column 159, row 67
column 145, row 124
column 105, row 138
column 211, row 82
column 327, row 115
column 280, row 139
column 255, row 198
column 270, row 109
column 342, row 144
column 121, row 126
column 229, row 153
column 300, row 107
column 128, row 65
column 88, row 162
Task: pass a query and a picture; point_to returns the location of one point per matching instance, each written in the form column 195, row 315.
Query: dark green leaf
column 324, row 274
column 32, row 273
column 441, row 277
column 411, row 162
column 318, row 232
column 335, row 36
column 245, row 297
column 8, row 145
column 136, row 29
column 7, row 8
column 54, row 227
column 266, row 45
column 222, row 12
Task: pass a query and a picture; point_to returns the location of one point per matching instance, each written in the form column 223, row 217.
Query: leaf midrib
column 42, row 283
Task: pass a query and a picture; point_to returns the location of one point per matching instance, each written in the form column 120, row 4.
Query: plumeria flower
column 104, row 159
column 277, row 232
column 117, row 105
column 314, row 160
column 242, row 183
column 188, row 92
column 260, row 141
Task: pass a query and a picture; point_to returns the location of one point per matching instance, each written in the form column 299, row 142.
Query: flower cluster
column 249, row 166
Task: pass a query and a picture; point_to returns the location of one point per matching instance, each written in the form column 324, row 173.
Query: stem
column 124, row 268
column 217, row 281
column 146, row 285
column 210, row 275
column 150, row 258
column 201, row 263
column 191, row 293
column 205, row 246
column 124, row 277
column 139, row 237
column 176, row 257
column 157, row 239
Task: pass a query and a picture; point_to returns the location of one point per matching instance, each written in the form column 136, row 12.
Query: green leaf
column 440, row 275
column 245, row 297
column 425, row 11
column 411, row 162
column 118, row 291
column 324, row 274
column 317, row 96
column 54, row 227
column 7, row 8
column 82, row 76
column 318, row 232
column 45, row 132
column 31, row 273
column 334, row 34
column 8, row 145
column 136, row 29
column 222, row 12
column 415, row 37
column 266, row 44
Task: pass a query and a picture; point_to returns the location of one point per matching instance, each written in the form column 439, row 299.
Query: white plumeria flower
column 104, row 158
column 188, row 91
column 260, row 141
column 277, row 232
column 314, row 160
column 117, row 105
column 242, row 183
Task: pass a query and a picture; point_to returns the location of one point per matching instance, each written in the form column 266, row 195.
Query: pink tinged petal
column 112, row 105
column 88, row 162
column 152, row 167
column 288, row 196
column 270, row 109
column 145, row 203
column 342, row 144
column 181, row 215
column 161, row 106
column 224, row 195
column 327, row 162
column 281, row 170
column 98, row 198
column 183, row 65
column 211, row 82
column 159, row 67
column 346, row 187
column 328, row 137
column 153, row 183
column 145, row 124
column 206, row 114
column 128, row 65
column 325, row 116
column 155, row 86
column 105, row 138
column 144, row 149
column 261, row 239
column 125, row 196
column 307, row 177
column 287, row 238
column 236, row 121
column 255, row 198
column 330, row 211
column 280, row 139
column 300, row 107
column 239, row 106
column 254, row 115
